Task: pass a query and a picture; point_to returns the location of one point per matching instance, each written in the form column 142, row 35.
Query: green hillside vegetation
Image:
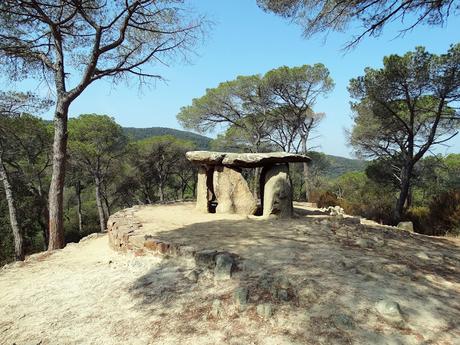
column 336, row 167
column 202, row 142
column 341, row 165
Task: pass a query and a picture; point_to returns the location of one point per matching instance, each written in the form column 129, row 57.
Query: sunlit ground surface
column 90, row 294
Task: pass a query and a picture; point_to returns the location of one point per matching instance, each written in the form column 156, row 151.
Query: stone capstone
column 232, row 192
column 245, row 160
column 277, row 195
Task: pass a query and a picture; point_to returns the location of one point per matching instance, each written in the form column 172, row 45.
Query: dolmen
column 221, row 187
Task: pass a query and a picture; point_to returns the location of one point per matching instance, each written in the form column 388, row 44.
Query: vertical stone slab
column 277, row 195
column 232, row 192
column 202, row 190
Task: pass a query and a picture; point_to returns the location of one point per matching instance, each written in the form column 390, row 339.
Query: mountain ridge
column 338, row 165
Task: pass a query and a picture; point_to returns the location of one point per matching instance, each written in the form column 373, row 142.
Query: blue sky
column 245, row 40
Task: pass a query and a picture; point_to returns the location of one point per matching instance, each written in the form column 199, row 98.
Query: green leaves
column 273, row 107
column 95, row 141
column 408, row 105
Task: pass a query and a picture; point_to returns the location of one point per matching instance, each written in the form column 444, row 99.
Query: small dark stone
column 343, row 321
column 223, row 269
column 241, row 297
column 206, row 258
column 283, row 295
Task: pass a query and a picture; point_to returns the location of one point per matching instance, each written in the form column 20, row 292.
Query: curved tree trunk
column 56, row 193
column 17, row 232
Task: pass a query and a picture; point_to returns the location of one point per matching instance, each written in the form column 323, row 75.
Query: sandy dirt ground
column 335, row 276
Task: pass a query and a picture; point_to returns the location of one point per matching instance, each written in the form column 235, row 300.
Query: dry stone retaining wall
column 124, row 234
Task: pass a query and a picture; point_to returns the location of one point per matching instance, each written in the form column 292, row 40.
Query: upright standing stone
column 232, row 192
column 202, row 191
column 277, row 195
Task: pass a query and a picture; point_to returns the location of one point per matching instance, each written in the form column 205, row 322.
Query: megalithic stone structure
column 222, row 188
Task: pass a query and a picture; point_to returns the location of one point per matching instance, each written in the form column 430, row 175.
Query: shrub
column 440, row 218
column 324, row 199
column 420, row 217
column 445, row 213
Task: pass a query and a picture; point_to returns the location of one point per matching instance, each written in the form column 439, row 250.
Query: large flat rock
column 245, row 160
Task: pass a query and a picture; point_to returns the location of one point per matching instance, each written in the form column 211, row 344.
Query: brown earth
column 323, row 278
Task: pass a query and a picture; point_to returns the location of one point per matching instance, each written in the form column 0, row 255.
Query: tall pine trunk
column 44, row 221
column 56, row 193
column 17, row 232
column 255, row 187
column 306, row 172
column 161, row 192
column 80, row 217
column 406, row 172
column 100, row 208
column 106, row 205
column 45, row 230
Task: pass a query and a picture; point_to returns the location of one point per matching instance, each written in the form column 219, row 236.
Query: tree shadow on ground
column 334, row 281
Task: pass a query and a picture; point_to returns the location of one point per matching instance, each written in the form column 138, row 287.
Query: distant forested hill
column 201, row 141
column 338, row 165
column 341, row 165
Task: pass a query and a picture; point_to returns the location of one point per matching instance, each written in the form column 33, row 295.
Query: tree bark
column 255, row 187
column 17, row 232
column 56, row 193
column 80, row 218
column 44, row 224
column 100, row 208
column 182, row 191
column 161, row 192
column 406, row 172
column 105, row 205
column 306, row 172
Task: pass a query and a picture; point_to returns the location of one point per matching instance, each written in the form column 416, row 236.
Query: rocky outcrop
column 232, row 192
column 277, row 199
column 244, row 160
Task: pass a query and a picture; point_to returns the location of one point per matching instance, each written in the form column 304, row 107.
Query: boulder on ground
column 390, row 310
column 409, row 226
column 277, row 194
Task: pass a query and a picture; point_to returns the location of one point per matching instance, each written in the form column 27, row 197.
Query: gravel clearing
column 307, row 280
